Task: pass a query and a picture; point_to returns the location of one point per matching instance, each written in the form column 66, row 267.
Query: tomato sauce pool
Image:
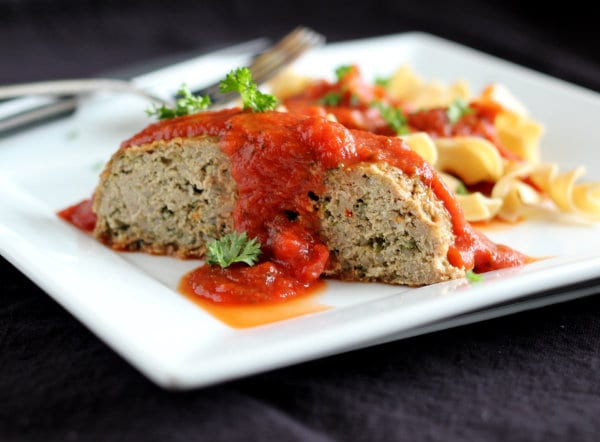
column 278, row 161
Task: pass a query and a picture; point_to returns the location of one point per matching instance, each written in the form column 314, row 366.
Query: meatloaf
column 173, row 197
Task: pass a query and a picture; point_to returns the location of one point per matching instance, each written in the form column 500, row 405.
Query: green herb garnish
column 473, row 277
column 231, row 248
column 382, row 81
column 331, row 99
column 240, row 80
column 458, row 109
column 342, row 71
column 394, row 117
column 461, row 189
column 354, row 99
column 186, row 104
column 98, row 166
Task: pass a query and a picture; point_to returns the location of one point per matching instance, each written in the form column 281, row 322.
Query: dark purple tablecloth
column 529, row 377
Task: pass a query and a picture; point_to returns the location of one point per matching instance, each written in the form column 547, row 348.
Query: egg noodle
column 498, row 176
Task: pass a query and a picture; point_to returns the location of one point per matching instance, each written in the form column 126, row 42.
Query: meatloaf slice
column 166, row 197
column 173, row 197
column 382, row 225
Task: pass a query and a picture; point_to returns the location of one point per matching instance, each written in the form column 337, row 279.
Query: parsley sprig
column 393, row 116
column 186, row 104
column 231, row 248
column 461, row 189
column 342, row 71
column 473, row 277
column 331, row 99
column 240, row 80
column 458, row 109
column 382, row 81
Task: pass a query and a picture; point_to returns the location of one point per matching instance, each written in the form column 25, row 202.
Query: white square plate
column 130, row 300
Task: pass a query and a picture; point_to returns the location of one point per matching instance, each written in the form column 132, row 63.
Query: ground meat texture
column 173, row 197
column 166, row 197
column 382, row 225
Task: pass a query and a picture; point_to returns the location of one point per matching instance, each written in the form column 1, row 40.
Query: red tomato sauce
column 355, row 109
column 80, row 215
column 479, row 123
column 211, row 123
column 239, row 315
column 349, row 100
column 278, row 161
column 240, row 284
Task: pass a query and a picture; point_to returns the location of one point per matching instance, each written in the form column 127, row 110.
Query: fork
column 268, row 64
column 264, row 67
column 75, row 86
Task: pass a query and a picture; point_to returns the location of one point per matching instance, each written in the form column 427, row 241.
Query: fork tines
column 266, row 65
column 288, row 49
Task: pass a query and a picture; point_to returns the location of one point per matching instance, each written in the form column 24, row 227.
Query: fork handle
column 60, row 87
column 71, row 87
column 58, row 108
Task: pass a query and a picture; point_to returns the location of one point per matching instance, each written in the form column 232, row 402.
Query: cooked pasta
column 471, row 159
column 487, row 148
column 570, row 197
column 288, row 83
column 475, row 205
column 520, row 135
column 478, row 207
column 516, row 196
column 422, row 143
column 406, row 86
column 499, row 95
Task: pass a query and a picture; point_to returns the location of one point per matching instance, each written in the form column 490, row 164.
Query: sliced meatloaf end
column 166, row 197
column 382, row 225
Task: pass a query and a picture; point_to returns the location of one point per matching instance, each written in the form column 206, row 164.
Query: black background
column 532, row 376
